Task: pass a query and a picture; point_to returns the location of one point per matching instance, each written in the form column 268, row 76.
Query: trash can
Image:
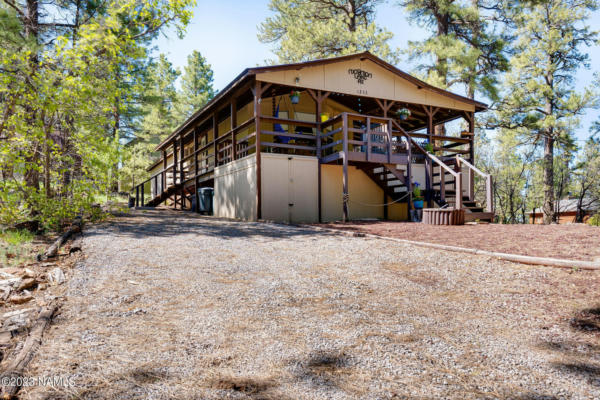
column 205, row 200
column 131, row 203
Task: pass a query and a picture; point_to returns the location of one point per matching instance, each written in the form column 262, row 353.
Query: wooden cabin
column 335, row 139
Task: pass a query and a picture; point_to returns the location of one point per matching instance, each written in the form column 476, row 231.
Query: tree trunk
column 548, row 166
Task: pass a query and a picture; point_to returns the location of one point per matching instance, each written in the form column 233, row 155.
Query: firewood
column 14, row 368
column 52, row 251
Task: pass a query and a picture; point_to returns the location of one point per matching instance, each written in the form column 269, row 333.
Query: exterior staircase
column 391, row 180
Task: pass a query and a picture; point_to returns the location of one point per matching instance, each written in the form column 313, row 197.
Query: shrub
column 594, row 220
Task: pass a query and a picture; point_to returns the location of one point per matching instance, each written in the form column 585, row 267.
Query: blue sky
column 224, row 31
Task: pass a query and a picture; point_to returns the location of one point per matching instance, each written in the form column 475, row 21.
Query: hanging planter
column 324, row 117
column 403, row 113
column 295, row 97
column 428, row 147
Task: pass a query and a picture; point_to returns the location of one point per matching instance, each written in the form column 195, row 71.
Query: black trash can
column 131, row 202
column 205, row 200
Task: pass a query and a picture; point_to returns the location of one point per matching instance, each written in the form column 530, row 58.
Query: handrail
column 489, row 198
column 457, row 175
column 474, row 168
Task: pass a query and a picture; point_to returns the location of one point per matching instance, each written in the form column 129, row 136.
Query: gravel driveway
column 173, row 305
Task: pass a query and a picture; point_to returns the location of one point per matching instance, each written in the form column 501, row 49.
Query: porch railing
column 489, row 196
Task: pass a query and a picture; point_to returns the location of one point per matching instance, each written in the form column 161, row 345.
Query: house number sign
column 360, row 75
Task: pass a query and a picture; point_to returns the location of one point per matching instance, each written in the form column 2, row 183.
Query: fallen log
column 13, row 371
column 53, row 250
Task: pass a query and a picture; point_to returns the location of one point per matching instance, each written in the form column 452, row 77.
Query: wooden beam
column 215, row 129
column 196, row 199
column 175, row 172
column 164, row 174
column 345, row 170
column 233, row 119
column 181, row 173
column 257, row 90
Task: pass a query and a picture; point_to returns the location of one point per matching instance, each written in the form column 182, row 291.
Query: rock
column 12, row 282
column 16, row 299
column 6, row 275
column 56, row 276
column 15, row 320
column 27, row 284
column 27, row 273
column 47, row 264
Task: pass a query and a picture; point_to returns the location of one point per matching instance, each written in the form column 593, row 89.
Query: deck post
column 142, row 196
column 489, row 201
column 345, row 169
column 257, row 91
column 233, row 119
column 175, row 173
column 319, row 97
column 181, row 173
column 215, row 136
column 471, row 187
column 164, row 173
column 368, row 134
column 196, row 199
column 409, row 176
column 429, row 166
column 137, row 196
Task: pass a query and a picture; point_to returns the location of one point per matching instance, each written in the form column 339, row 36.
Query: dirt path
column 171, row 305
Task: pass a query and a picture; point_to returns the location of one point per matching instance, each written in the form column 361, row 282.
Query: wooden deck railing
column 363, row 137
column 489, row 195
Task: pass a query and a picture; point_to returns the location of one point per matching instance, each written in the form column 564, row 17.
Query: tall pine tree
column 540, row 100
column 304, row 30
column 196, row 86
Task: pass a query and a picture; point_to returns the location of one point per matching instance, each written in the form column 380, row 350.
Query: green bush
column 594, row 220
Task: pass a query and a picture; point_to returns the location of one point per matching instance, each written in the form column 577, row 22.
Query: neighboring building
column 338, row 139
column 566, row 211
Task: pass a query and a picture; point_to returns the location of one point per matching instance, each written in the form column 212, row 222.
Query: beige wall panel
column 382, row 83
column 361, row 189
column 288, row 181
column 235, row 189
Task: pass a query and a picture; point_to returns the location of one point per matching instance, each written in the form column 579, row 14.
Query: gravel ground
column 172, row 305
column 570, row 241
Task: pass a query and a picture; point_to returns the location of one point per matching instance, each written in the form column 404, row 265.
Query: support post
column 196, row 199
column 137, row 196
column 409, row 177
column 459, row 199
column 164, row 174
column 181, row 173
column 368, row 134
column 319, row 97
column 345, row 169
column 429, row 166
column 471, row 181
column 175, row 172
column 142, row 196
column 257, row 91
column 489, row 194
column 233, row 119
column 215, row 136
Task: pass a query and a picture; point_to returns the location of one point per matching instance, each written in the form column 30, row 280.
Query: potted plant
column 324, row 116
column 417, row 196
column 428, row 147
column 403, row 113
column 295, row 97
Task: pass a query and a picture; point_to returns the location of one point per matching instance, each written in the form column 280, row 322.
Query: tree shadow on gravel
column 322, row 368
column 578, row 357
column 165, row 223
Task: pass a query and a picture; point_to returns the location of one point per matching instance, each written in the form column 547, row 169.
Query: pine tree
column 196, row 86
column 157, row 123
column 304, row 30
column 463, row 48
column 540, row 100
